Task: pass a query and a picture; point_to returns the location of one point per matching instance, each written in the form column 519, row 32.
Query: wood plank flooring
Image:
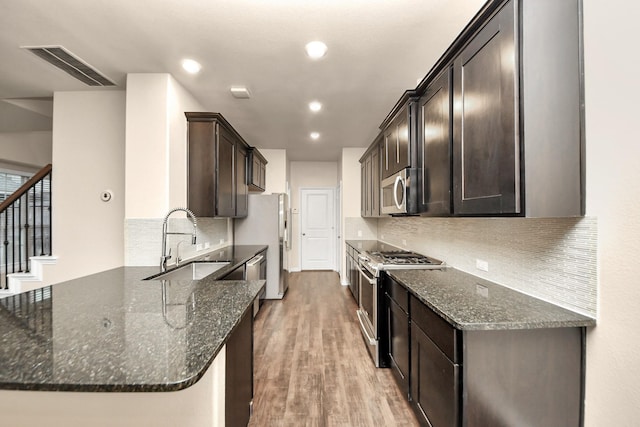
column 311, row 367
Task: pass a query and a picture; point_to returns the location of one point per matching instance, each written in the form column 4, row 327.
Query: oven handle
column 372, row 281
column 364, row 328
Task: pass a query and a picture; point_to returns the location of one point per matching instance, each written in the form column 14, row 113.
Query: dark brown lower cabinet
column 239, row 373
column 501, row 378
column 435, row 382
column 530, row 377
column 398, row 320
column 435, row 367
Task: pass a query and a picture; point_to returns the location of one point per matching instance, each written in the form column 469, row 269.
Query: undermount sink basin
column 193, row 271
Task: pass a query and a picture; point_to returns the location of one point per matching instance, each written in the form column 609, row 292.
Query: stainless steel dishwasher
column 256, row 270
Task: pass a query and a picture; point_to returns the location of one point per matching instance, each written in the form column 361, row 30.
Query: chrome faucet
column 167, row 255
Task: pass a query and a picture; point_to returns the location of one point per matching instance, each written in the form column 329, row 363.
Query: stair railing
column 25, row 225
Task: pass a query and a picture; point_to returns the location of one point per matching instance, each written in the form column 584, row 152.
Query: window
column 10, row 181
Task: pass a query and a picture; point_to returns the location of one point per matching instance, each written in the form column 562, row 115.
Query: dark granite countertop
column 470, row 303
column 114, row 331
column 371, row 246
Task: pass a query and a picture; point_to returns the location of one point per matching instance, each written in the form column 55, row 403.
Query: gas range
column 375, row 262
column 372, row 311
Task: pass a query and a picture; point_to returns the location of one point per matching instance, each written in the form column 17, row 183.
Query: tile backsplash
column 143, row 238
column 358, row 228
column 553, row 259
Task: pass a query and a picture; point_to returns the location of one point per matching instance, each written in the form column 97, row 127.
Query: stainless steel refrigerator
column 267, row 223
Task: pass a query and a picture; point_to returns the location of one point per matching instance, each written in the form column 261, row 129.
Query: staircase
column 25, row 234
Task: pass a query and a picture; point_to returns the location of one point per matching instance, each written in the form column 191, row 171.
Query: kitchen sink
column 192, row 271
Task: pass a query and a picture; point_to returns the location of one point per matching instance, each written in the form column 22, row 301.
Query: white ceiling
column 377, row 50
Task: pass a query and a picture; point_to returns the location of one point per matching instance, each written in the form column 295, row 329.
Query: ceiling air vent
column 71, row 64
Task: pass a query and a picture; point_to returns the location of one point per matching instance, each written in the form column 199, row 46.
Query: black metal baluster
column 13, row 238
column 26, row 230
column 42, row 217
column 19, row 203
column 6, row 250
column 49, row 207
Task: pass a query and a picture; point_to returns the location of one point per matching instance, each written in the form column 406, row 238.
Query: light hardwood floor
column 311, row 367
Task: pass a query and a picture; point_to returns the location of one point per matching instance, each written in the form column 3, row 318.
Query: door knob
column 304, row 234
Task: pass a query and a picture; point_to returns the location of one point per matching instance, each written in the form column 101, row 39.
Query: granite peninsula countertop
column 468, row 302
column 115, row 332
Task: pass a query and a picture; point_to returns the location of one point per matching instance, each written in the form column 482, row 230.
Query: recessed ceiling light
column 315, row 106
column 191, row 66
column 316, row 49
column 315, row 135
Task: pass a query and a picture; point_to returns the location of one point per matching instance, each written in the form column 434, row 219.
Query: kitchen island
column 96, row 339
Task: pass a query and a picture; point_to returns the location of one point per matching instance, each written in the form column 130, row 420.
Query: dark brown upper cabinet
column 486, row 143
column 242, row 188
column 370, row 180
column 257, row 171
column 518, row 113
column 434, row 133
column 217, row 172
column 399, row 138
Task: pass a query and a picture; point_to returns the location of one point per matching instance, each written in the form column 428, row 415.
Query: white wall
column 306, row 175
column 156, row 169
column 147, row 149
column 178, row 102
column 28, row 148
column 350, row 197
column 276, row 176
column 88, row 157
column 156, row 134
column 613, row 185
column 350, row 175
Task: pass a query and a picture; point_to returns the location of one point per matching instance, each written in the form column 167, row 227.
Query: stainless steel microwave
column 398, row 193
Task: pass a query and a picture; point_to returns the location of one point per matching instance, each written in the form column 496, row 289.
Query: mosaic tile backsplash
column 358, row 228
column 553, row 259
column 143, row 238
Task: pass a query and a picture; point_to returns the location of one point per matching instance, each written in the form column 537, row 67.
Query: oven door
column 368, row 312
column 394, row 193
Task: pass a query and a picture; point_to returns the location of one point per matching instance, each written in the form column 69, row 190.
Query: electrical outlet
column 359, row 233
column 199, row 247
column 206, row 245
column 404, row 242
column 482, row 290
column 482, row 265
column 382, row 236
column 221, row 241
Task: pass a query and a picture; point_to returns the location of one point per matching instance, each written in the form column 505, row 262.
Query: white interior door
column 317, row 229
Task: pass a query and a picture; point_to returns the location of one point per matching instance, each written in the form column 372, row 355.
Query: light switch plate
column 359, row 233
column 482, row 290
